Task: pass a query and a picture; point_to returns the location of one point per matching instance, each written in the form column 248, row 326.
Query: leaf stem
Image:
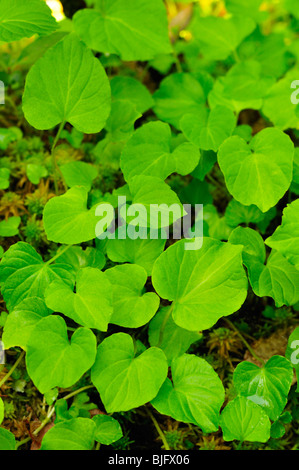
column 159, row 430
column 250, row 349
column 177, row 61
column 10, row 372
column 164, row 323
column 236, row 56
column 82, row 389
column 63, row 250
column 50, row 413
column 54, row 162
column 39, row 429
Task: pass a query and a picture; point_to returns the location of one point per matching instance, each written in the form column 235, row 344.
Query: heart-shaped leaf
column 179, row 94
column 24, row 274
column 219, row 37
column 153, row 141
column 24, row 18
column 77, row 91
column 143, row 252
column 79, row 174
column 195, row 396
column 10, row 227
column 132, row 307
column 78, row 258
column 135, row 31
column 54, row 361
column 243, row 420
column 22, row 320
column 197, row 280
column 267, row 386
column 123, row 380
column 156, row 198
column 74, row 434
column 90, row 306
column 127, row 88
column 67, row 218
column 261, row 172
column 208, row 130
column 108, row 430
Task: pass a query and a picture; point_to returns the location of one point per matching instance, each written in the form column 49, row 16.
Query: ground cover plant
column 123, row 342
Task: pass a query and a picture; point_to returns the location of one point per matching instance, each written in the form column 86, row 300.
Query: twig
column 159, row 430
column 10, row 372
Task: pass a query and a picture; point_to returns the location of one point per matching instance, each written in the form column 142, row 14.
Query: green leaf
column 22, row 320
column 243, row 420
column 292, row 7
column 77, row 90
column 246, row 80
column 135, row 32
column 198, row 280
column 108, row 430
column 217, row 97
column 67, row 218
column 243, row 8
column 127, row 88
column 143, row 252
column 279, row 279
column 120, row 123
column 269, row 51
column 24, row 18
column 217, row 226
column 277, row 430
column 124, row 381
column 54, row 361
column 131, row 307
column 236, row 214
column 258, row 173
column 156, row 198
column 79, row 174
column 292, row 352
column 254, row 250
column 179, row 94
column 195, row 396
column 206, row 163
column 35, row 172
column 90, row 306
column 267, row 386
column 277, row 103
column 9, row 135
column 10, row 227
column 24, row 274
column 154, row 142
column 196, row 192
column 74, row 434
column 4, row 178
column 285, row 239
column 175, row 341
column 78, row 258
column 208, row 130
column 244, row 131
column 219, row 37
column 7, row 440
